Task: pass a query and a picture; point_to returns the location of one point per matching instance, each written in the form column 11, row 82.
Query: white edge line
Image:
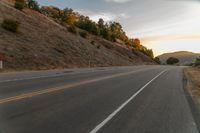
column 36, row 77
column 98, row 127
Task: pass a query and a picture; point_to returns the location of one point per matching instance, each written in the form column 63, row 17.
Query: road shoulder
column 191, row 80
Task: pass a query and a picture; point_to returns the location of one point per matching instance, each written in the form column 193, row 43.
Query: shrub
column 83, row 34
column 10, row 24
column 98, row 46
column 172, row 60
column 20, row 4
column 197, row 62
column 92, row 42
column 157, row 60
column 72, row 29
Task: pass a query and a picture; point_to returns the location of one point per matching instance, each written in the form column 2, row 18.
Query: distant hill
column 185, row 57
column 42, row 43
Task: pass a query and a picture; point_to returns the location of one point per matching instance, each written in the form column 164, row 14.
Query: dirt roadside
column 192, row 89
column 192, row 75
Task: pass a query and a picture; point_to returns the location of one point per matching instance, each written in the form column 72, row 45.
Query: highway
column 129, row 99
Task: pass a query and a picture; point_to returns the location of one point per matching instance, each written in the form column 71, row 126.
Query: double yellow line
column 50, row 90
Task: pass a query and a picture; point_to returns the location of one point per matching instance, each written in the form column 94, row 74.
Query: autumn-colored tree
column 136, row 43
column 69, row 16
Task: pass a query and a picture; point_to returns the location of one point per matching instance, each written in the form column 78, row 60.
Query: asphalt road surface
column 139, row 99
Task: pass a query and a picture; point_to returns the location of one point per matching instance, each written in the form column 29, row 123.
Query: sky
column 162, row 25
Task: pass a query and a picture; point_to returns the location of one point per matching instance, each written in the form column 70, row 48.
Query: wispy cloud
column 172, row 37
column 156, row 22
column 118, row 1
column 107, row 16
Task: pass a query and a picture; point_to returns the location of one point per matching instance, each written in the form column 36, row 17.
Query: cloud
column 172, row 37
column 106, row 16
column 118, row 1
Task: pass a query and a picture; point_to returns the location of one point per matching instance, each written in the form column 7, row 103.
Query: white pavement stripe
column 36, row 77
column 98, row 127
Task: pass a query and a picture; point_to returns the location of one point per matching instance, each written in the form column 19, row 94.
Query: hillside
column 184, row 57
column 41, row 43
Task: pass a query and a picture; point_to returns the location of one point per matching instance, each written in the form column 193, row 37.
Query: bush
column 157, row 60
column 172, row 60
column 92, row 42
column 72, row 29
column 83, row 34
column 197, row 62
column 20, row 4
column 98, row 46
column 10, row 24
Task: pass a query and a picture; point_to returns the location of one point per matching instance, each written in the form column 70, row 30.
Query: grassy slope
column 43, row 44
column 184, row 56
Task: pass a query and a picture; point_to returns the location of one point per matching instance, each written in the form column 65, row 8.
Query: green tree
column 86, row 24
column 172, row 60
column 32, row 4
column 101, row 23
column 117, row 31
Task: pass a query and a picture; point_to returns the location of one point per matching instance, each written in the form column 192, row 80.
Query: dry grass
column 41, row 43
column 193, row 82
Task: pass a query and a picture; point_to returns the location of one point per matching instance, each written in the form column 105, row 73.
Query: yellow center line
column 50, row 90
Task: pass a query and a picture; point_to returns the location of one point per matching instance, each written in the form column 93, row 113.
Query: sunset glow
column 163, row 25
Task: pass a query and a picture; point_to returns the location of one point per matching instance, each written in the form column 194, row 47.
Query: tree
column 101, row 23
column 157, row 60
column 136, row 43
column 69, row 16
column 51, row 11
column 86, row 24
column 20, row 4
column 197, row 62
column 117, row 31
column 32, row 4
column 172, row 60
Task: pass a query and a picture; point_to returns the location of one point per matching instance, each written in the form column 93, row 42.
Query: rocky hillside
column 184, row 57
column 41, row 43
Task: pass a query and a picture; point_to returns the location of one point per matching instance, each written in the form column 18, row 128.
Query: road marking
column 36, row 93
column 36, row 77
column 98, row 127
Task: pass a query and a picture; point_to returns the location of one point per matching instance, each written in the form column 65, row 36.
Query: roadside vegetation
column 111, row 31
column 20, row 4
column 10, row 24
column 72, row 29
column 172, row 61
column 197, row 62
column 83, row 34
